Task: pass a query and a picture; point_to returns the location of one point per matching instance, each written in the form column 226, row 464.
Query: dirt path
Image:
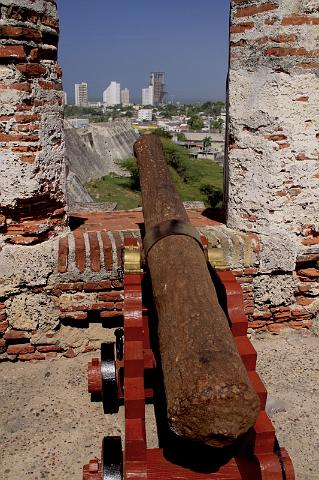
column 50, row 428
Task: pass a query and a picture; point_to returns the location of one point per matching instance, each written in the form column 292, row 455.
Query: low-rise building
column 145, row 115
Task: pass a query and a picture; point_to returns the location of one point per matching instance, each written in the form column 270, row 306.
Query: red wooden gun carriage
column 211, row 421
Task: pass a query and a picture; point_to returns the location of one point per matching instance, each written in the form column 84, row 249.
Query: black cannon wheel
column 112, row 459
column 109, row 381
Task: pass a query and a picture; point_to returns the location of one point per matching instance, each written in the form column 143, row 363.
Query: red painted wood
column 94, row 252
column 235, row 302
column 134, row 394
column 255, row 460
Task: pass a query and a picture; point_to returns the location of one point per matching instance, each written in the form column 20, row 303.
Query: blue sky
column 124, row 40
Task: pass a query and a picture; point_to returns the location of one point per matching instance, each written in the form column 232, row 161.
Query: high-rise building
column 157, row 80
column 148, row 95
column 65, row 98
column 81, row 94
column 125, row 97
column 112, row 95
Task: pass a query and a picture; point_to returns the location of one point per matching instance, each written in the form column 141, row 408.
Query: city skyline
column 188, row 42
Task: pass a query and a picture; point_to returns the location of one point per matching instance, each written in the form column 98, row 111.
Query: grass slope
column 189, row 175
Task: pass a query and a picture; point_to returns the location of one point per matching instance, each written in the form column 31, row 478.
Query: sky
column 124, row 40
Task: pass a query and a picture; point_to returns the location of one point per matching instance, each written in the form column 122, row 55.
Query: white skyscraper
column 112, row 95
column 125, row 97
column 65, row 98
column 148, row 95
column 81, row 94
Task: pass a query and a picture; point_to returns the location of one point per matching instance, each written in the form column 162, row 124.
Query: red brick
column 69, row 287
column 74, row 315
column 12, row 52
column 303, row 98
column 50, row 21
column 309, row 272
column 117, row 284
column 300, row 20
column 3, row 316
column 70, row 353
column 47, row 85
column 308, row 65
column 94, row 252
column 20, row 86
column 301, row 156
column 50, row 348
column 27, row 118
column 20, row 349
column 284, row 38
column 51, row 355
column 299, row 313
column 75, row 307
column 304, row 301
column 97, row 286
column 13, row 335
column 3, row 326
column 111, row 296
column 304, row 288
column 290, row 52
column 63, row 255
column 27, row 158
column 103, row 306
column 241, row 27
column 107, row 247
column 257, row 324
column 113, row 314
column 311, row 241
column 250, row 271
column 23, row 33
column 277, row 138
column 277, row 327
column 28, row 357
column 80, row 253
column 25, row 149
column 23, row 240
column 255, row 10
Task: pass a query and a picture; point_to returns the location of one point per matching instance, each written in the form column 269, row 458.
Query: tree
column 218, row 124
column 181, row 137
column 214, row 196
column 162, row 133
column 207, row 142
column 130, row 165
column 196, row 123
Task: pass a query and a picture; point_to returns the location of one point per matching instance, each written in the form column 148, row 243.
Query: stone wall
column 50, row 284
column 31, row 122
column 272, row 168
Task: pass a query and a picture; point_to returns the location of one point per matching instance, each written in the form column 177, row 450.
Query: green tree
column 217, row 124
column 207, row 142
column 130, row 165
column 213, row 194
column 181, row 137
column 162, row 133
column 196, row 123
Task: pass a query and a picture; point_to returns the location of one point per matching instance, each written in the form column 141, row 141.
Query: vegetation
column 97, row 114
column 196, row 180
column 196, row 123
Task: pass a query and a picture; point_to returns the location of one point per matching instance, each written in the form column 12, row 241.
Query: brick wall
column 31, row 122
column 272, row 168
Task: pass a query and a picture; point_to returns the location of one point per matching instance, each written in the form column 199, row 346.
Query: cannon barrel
column 208, row 393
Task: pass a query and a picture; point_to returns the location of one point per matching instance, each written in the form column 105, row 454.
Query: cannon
column 202, row 362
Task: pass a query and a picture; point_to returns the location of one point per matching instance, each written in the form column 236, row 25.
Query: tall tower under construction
column 157, row 80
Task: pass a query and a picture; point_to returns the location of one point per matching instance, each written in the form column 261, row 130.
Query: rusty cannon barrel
column 208, row 393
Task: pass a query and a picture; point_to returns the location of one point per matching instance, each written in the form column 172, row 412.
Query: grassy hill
column 195, row 179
